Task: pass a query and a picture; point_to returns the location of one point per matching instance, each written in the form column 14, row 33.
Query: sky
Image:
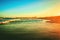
column 29, row 8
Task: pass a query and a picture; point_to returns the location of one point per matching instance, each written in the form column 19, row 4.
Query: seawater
column 30, row 30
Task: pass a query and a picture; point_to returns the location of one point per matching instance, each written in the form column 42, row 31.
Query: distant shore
column 53, row 19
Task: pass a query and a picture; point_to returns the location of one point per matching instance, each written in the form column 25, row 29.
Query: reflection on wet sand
column 30, row 30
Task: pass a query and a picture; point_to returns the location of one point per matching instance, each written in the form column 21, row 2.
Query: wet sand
column 30, row 31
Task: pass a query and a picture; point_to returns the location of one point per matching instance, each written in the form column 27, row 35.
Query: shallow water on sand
column 30, row 30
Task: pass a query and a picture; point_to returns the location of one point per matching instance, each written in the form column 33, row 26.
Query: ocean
column 29, row 29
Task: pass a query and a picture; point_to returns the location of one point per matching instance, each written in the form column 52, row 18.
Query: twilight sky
column 29, row 8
